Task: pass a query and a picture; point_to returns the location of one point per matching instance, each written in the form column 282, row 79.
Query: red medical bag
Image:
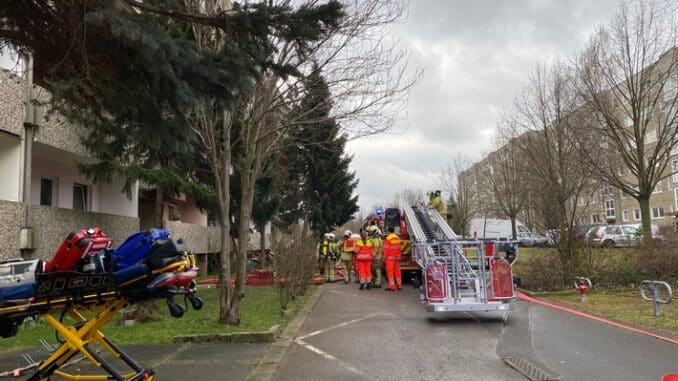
column 76, row 247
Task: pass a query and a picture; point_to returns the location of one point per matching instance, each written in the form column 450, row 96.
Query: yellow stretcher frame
column 78, row 336
column 77, row 339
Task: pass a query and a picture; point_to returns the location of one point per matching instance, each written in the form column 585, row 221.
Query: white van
column 493, row 228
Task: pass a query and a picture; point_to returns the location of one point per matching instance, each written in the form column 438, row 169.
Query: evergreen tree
column 319, row 164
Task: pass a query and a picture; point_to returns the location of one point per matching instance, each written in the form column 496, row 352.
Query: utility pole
column 30, row 126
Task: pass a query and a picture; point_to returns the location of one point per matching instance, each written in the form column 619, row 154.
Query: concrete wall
column 200, row 239
column 112, row 199
column 53, row 224
column 10, row 167
column 11, row 218
column 11, row 102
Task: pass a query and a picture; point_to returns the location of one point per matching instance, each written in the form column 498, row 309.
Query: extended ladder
column 452, row 282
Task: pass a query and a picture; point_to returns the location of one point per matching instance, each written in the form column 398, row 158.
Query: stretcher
column 91, row 300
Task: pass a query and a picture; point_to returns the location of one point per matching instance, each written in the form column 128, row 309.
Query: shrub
column 658, row 259
column 295, row 264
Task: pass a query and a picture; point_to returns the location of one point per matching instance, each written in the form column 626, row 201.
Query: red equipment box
column 76, row 247
column 502, row 279
column 436, row 282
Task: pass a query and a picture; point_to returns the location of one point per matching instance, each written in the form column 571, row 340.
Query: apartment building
column 43, row 195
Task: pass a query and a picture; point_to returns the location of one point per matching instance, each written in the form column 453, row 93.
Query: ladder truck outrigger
column 457, row 275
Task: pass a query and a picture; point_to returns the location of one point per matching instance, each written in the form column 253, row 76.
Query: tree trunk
column 646, row 218
column 157, row 208
column 513, row 226
column 223, row 191
column 262, row 245
column 247, row 179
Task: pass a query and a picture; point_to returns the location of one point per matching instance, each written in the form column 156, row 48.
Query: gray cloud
column 476, row 54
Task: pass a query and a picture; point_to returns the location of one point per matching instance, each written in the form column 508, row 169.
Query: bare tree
column 628, row 82
column 410, row 196
column 541, row 117
column 365, row 73
column 460, row 188
column 503, row 179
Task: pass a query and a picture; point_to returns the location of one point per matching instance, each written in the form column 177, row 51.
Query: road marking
column 596, row 318
column 328, row 356
column 339, row 325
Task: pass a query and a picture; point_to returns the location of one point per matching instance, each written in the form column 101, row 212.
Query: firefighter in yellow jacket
column 377, row 255
column 436, row 202
column 328, row 255
column 347, row 255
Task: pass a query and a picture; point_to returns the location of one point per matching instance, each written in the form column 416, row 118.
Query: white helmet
column 348, row 233
column 330, row 235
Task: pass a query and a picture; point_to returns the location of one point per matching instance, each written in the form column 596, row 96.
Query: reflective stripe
column 364, row 250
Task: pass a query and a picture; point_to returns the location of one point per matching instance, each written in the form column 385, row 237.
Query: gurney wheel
column 197, row 302
column 176, row 310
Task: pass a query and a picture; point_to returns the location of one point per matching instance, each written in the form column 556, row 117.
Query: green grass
column 624, row 306
column 260, row 310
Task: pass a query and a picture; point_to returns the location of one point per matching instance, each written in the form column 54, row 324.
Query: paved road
column 358, row 335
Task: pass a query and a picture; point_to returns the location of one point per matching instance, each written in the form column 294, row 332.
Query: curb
column 237, row 337
column 268, row 365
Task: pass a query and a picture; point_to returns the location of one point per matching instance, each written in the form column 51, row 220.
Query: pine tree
column 320, row 165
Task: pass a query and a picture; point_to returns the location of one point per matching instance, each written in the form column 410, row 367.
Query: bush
column 659, row 259
column 295, row 264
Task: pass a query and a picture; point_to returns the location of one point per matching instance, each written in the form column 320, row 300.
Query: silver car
column 612, row 235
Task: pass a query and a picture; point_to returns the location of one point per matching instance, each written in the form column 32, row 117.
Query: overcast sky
column 475, row 55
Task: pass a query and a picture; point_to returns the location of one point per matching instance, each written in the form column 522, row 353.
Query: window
column 609, row 208
column 594, row 198
column 48, row 191
column 670, row 89
column 80, row 197
column 650, row 137
column 636, row 214
column 658, row 187
column 581, row 201
column 607, row 190
column 674, row 170
column 625, row 215
column 657, row 212
column 622, row 194
column 595, row 219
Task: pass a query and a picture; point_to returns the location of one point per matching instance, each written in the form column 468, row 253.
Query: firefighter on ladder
column 392, row 251
column 375, row 237
column 363, row 253
column 436, row 202
column 347, row 255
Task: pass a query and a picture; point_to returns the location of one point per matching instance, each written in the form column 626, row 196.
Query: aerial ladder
column 458, row 276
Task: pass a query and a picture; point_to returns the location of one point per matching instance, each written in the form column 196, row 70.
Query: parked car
column 532, row 239
column 612, row 235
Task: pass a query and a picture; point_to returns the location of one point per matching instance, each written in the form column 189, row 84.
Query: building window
column 581, row 201
column 625, row 215
column 636, row 214
column 595, row 219
column 657, row 212
column 622, row 194
column 658, row 187
column 650, row 137
column 607, row 190
column 609, row 208
column 594, row 198
column 80, row 197
column 48, row 191
column 674, row 170
column 670, row 89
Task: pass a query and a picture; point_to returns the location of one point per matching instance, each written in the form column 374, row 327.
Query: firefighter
column 436, row 202
column 363, row 253
column 377, row 255
column 330, row 262
column 323, row 249
column 347, row 255
column 392, row 251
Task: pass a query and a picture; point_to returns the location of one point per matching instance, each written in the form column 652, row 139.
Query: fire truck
column 454, row 275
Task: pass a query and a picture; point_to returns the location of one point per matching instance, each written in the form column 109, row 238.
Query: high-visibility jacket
column 363, row 250
column 392, row 246
column 333, row 251
column 377, row 247
column 348, row 244
column 437, row 203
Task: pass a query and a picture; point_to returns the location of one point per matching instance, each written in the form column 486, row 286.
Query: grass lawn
column 624, row 306
column 260, row 310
